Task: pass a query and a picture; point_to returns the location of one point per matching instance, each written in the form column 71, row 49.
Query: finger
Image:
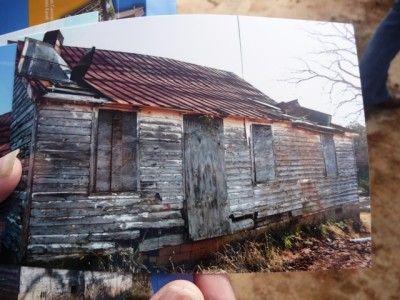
column 10, row 174
column 178, row 290
column 215, row 287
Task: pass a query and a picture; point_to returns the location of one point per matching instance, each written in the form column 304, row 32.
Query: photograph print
column 237, row 146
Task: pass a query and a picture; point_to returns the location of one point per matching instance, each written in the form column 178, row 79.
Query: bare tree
column 336, row 63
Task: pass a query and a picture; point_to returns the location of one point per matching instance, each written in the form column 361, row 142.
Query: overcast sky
column 264, row 51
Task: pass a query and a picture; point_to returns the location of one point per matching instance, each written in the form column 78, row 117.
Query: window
column 328, row 146
column 263, row 153
column 116, row 160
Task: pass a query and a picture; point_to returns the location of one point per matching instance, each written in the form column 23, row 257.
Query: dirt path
column 326, row 255
column 336, row 251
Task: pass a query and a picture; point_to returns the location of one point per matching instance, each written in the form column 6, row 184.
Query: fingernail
column 7, row 163
column 179, row 290
column 176, row 292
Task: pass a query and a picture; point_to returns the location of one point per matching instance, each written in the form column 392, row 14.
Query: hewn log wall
column 300, row 185
column 238, row 167
column 13, row 210
column 67, row 219
column 63, row 154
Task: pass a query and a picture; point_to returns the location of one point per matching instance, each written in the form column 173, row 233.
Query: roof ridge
column 155, row 57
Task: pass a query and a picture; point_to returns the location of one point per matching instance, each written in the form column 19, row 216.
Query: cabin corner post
column 93, row 150
column 251, row 146
column 355, row 157
column 22, row 132
column 184, row 191
column 137, row 152
column 26, row 216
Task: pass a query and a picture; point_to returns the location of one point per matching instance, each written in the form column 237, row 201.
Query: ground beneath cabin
column 332, row 245
column 324, row 247
column 337, row 253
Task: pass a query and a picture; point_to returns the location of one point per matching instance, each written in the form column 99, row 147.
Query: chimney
column 54, row 38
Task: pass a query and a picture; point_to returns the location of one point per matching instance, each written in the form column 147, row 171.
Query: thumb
column 179, row 290
column 10, row 174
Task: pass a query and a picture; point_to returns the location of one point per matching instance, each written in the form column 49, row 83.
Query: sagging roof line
column 125, row 78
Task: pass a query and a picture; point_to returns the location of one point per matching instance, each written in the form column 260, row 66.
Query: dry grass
column 366, row 220
column 283, row 249
column 252, row 256
column 141, row 288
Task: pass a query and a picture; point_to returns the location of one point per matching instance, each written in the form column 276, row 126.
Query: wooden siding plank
column 85, row 238
column 159, row 242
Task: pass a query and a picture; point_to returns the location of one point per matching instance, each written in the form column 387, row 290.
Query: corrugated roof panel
column 149, row 81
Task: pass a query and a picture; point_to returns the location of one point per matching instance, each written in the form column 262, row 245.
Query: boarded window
column 116, row 168
column 328, row 146
column 205, row 178
column 263, row 153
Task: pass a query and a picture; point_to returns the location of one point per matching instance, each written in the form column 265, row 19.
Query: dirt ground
column 333, row 252
column 327, row 255
column 328, row 246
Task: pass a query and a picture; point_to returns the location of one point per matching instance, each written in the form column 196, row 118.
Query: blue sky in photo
column 7, row 68
column 122, row 5
column 152, row 7
column 13, row 15
column 157, row 7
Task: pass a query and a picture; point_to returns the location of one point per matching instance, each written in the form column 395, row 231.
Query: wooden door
column 205, row 182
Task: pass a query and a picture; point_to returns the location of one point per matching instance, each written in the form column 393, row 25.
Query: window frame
column 323, row 137
column 253, row 155
column 94, row 154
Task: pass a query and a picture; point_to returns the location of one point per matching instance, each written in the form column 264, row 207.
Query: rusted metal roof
column 149, row 81
column 294, row 108
column 5, row 123
column 139, row 80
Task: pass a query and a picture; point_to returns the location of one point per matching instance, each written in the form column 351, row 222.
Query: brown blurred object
column 383, row 279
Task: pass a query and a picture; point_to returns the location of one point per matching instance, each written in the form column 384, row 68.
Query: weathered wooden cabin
column 128, row 150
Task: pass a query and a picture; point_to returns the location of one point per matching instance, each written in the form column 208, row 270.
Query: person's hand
column 10, row 174
column 205, row 287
